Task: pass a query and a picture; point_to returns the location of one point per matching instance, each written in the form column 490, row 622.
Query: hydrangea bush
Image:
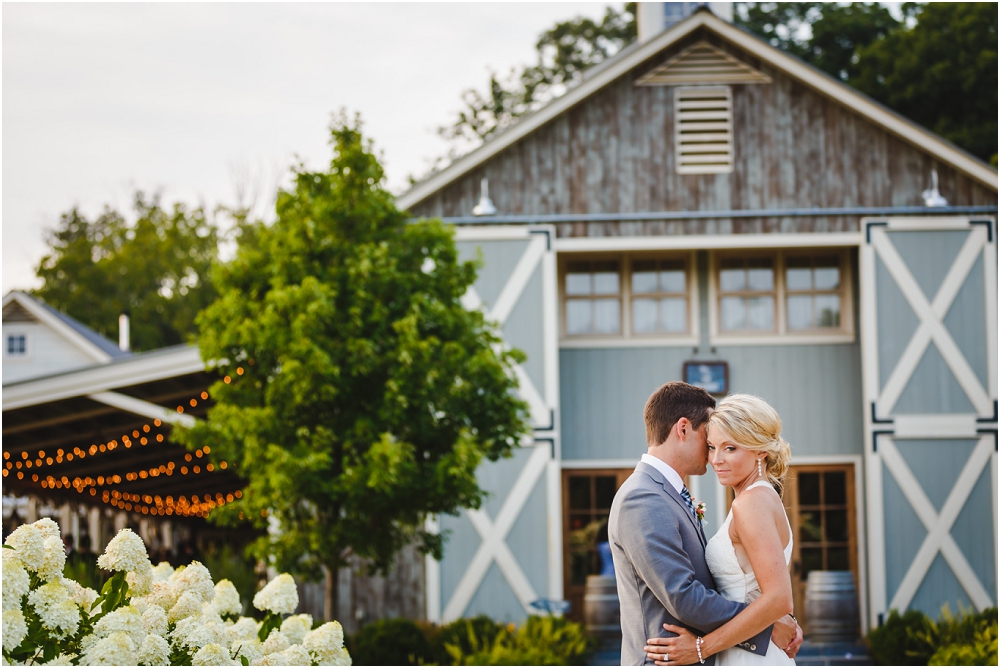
column 146, row 615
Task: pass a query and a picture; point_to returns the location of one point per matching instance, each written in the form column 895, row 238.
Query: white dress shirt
column 668, row 472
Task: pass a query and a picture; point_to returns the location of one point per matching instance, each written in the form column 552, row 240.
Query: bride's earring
column 760, row 470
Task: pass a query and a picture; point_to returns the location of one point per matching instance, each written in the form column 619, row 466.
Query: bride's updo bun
column 753, row 424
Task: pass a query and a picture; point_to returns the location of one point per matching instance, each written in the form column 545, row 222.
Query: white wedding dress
column 736, row 584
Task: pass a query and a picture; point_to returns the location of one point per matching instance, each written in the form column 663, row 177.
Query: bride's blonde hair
column 755, row 425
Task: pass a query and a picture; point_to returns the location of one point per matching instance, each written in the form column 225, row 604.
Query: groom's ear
column 682, row 426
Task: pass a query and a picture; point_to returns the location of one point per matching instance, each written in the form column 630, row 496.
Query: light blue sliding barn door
column 502, row 557
column 929, row 348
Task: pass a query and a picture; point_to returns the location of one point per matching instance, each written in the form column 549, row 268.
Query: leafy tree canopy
column 156, row 270
column 937, row 65
column 363, row 394
column 565, row 52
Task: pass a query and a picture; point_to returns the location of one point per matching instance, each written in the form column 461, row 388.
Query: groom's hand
column 787, row 635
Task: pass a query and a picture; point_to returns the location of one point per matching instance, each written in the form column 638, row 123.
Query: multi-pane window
column 747, row 294
column 628, row 295
column 659, row 296
column 587, row 497
column 785, row 292
column 812, row 286
column 824, row 536
column 17, row 344
column 593, row 297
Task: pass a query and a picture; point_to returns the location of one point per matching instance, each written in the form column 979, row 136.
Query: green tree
column 364, row 394
column 937, row 66
column 155, row 270
column 942, row 73
column 565, row 52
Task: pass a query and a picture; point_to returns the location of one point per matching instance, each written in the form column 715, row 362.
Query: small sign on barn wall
column 713, row 377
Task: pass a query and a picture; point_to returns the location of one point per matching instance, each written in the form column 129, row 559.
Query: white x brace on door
column 929, row 347
column 501, row 557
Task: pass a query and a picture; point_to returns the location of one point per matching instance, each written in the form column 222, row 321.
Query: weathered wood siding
column 615, row 152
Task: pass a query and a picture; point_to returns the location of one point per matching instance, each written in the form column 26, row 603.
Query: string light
column 145, row 504
column 61, row 456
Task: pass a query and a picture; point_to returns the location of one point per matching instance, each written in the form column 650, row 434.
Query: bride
column 749, row 554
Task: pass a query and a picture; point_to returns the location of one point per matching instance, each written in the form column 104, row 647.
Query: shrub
column 914, row 639
column 899, row 642
column 540, row 641
column 466, row 635
column 390, row 642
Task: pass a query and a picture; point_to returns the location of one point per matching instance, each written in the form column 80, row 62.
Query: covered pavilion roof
column 101, row 436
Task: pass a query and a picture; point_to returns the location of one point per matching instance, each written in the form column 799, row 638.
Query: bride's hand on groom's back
column 679, row 650
column 787, row 635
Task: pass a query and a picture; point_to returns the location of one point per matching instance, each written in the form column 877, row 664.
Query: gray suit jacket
column 659, row 553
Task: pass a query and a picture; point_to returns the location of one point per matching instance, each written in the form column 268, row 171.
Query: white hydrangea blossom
column 182, row 629
column 125, row 552
column 48, row 528
column 14, row 628
column 279, row 596
column 154, row 619
column 161, row 594
column 162, row 571
column 243, row 628
column 30, row 545
column 251, row 648
column 15, row 580
column 59, row 614
column 213, row 655
column 205, row 634
column 187, row 605
column 139, row 582
column 326, row 645
column 154, row 651
column 115, row 650
column 82, row 596
column 54, row 559
column 340, row 657
column 275, row 642
column 227, row 599
column 61, row 660
column 296, row 655
column 296, row 627
column 194, row 579
column 126, row 620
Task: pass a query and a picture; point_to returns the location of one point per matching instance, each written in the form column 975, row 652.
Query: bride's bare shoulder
column 756, row 503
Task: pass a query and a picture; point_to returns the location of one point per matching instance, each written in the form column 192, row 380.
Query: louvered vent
column 702, row 63
column 703, row 129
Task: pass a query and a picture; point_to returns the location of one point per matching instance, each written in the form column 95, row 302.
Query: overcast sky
column 191, row 99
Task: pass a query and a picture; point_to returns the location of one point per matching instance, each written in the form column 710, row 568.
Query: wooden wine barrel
column 601, row 610
column 832, row 607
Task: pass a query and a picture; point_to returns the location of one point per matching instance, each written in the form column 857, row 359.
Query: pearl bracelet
column 697, row 645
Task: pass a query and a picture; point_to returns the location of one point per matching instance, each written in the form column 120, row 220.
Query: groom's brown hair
column 669, row 404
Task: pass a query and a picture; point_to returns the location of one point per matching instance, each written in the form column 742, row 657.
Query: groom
column 657, row 542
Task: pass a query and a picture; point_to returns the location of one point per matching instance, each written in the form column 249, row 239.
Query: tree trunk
column 331, row 600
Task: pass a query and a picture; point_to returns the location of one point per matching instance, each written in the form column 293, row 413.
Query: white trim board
column 637, row 55
column 58, row 326
column 130, row 371
column 707, row 242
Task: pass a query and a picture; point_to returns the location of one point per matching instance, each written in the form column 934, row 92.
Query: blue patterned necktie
column 686, row 495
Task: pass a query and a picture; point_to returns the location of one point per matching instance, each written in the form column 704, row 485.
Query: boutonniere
column 699, row 510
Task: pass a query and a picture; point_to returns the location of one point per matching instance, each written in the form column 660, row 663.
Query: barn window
column 791, row 294
column 637, row 296
column 746, row 294
column 593, row 297
column 703, row 129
